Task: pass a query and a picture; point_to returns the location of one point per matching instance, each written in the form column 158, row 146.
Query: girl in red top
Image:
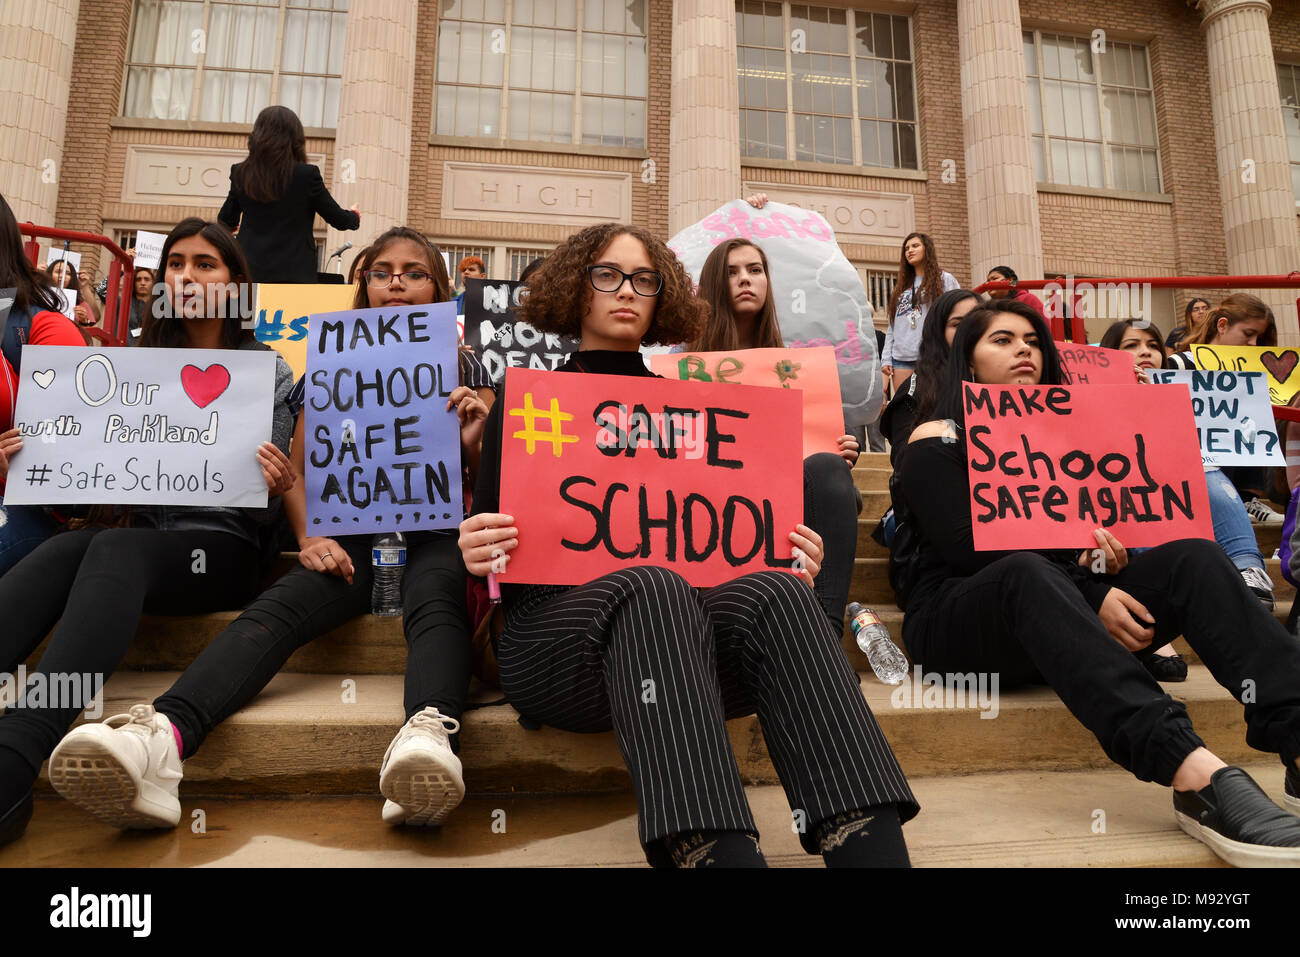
column 22, row 527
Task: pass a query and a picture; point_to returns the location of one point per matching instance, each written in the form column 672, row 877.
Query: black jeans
column 305, row 604
column 96, row 583
column 830, row 510
column 1023, row 618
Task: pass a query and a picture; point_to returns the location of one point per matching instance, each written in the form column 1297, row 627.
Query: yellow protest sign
column 1280, row 365
column 282, row 310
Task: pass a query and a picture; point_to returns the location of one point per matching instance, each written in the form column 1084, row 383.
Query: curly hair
column 931, row 285
column 559, row 292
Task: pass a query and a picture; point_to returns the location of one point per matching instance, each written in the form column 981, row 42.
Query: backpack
column 15, row 329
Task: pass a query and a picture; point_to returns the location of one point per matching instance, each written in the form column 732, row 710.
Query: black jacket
column 277, row 237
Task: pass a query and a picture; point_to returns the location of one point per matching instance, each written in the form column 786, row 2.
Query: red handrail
column 121, row 278
column 1077, row 333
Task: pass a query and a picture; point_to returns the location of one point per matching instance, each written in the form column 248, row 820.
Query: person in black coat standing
column 274, row 197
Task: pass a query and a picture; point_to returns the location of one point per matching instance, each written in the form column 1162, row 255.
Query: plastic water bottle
column 388, row 560
column 887, row 661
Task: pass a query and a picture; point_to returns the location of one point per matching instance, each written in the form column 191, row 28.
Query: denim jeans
column 1232, row 528
column 22, row 528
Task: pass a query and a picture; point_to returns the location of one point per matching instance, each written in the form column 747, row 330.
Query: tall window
column 1092, row 114
column 825, row 85
column 1288, row 81
column 224, row 60
column 555, row 71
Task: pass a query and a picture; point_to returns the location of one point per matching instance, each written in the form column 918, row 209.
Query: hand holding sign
column 10, row 445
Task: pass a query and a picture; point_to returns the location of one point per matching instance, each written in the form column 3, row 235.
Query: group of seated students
column 576, row 657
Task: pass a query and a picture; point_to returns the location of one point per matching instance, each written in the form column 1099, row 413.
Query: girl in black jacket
column 274, row 197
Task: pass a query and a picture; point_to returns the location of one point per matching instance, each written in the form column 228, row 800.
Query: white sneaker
column 124, row 771
column 1263, row 513
column 1260, row 584
column 421, row 776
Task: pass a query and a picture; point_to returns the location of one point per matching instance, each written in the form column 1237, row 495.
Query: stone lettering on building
column 181, row 176
column 507, row 193
column 861, row 216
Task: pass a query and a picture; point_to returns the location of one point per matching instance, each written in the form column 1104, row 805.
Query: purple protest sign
column 382, row 451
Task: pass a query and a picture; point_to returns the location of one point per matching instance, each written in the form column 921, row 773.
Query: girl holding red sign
column 1033, row 617
column 664, row 664
column 735, row 282
column 421, row 774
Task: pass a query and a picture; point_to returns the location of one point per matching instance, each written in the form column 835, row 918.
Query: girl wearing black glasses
column 577, row 658
column 134, row 786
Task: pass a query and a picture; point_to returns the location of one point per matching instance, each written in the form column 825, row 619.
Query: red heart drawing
column 203, row 386
column 1280, row 365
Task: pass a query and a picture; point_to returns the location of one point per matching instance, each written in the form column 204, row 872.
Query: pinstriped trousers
column 663, row 664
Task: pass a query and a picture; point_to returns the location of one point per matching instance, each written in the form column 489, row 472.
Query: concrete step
column 1009, row 819
column 872, row 480
column 872, row 460
column 1269, row 538
column 324, row 734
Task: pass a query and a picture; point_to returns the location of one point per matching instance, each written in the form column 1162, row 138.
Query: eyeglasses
column 645, row 282
column 381, row 277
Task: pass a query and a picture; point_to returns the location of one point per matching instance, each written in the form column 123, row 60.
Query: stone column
column 372, row 145
column 37, row 38
column 1001, row 189
column 1259, row 218
column 704, row 126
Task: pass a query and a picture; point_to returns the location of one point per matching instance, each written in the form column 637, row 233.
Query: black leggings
column 830, row 510
column 305, row 604
column 1023, row 618
column 96, row 583
column 663, row 664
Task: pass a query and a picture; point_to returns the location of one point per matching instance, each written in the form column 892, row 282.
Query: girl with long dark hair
column 577, row 657
column 127, row 770
column 274, row 198
column 919, row 283
column 735, row 282
column 96, row 582
column 1042, row 616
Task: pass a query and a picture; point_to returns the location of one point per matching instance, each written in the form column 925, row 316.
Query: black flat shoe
column 14, row 822
column 1173, row 668
column 1236, row 820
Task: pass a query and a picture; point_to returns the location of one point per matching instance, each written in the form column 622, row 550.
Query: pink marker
column 494, row 588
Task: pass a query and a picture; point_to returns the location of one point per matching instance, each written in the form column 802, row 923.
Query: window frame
column 855, row 119
column 576, row 115
column 200, row 67
column 1294, row 162
column 1106, row 144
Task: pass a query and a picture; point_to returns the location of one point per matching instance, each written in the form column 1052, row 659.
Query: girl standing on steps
column 1041, row 616
column 95, row 582
column 735, row 283
column 127, row 769
column 576, row 657
column 919, row 284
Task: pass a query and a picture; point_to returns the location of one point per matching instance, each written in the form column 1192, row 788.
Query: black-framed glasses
column 382, row 277
column 645, row 282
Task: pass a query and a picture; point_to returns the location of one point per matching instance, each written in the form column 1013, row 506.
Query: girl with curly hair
column 577, row 657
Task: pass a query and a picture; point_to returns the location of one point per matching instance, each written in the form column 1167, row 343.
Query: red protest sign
column 1093, row 365
column 1046, row 470
column 611, row 471
column 813, row 371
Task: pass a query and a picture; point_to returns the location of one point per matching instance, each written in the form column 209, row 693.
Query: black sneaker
column 1170, row 668
column 1291, row 789
column 14, row 821
column 1237, row 821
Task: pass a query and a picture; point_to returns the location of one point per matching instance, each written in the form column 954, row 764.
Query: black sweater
column 277, row 237
column 936, row 487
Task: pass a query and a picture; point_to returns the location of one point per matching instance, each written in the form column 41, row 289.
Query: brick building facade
column 512, row 196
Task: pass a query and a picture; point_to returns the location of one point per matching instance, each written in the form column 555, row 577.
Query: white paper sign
column 67, row 301
column 818, row 294
column 67, row 254
column 148, row 249
column 1234, row 416
column 141, row 426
